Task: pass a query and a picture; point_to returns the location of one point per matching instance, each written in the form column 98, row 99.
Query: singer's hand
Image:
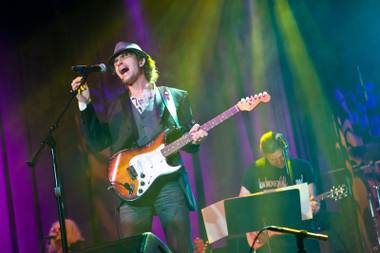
column 84, row 92
column 197, row 134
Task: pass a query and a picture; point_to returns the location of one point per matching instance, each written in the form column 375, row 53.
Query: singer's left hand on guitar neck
column 197, row 134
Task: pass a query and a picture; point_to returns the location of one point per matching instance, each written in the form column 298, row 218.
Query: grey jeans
column 171, row 207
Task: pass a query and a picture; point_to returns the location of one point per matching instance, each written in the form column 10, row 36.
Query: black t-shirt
column 262, row 176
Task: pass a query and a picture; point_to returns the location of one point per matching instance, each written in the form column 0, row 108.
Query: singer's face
column 276, row 158
column 127, row 67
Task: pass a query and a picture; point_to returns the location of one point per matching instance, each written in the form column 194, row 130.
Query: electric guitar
column 336, row 193
column 132, row 172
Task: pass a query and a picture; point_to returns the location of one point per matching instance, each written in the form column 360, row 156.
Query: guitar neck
column 186, row 138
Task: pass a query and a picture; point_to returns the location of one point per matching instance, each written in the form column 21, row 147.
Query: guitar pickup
column 132, row 172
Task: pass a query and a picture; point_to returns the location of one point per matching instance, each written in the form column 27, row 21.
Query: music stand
column 253, row 212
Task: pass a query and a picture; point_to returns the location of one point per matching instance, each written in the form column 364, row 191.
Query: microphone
column 279, row 137
column 86, row 69
column 293, row 231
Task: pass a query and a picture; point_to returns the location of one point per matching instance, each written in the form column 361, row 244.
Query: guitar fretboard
column 186, row 138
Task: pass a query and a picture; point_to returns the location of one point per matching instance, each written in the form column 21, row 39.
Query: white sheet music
column 214, row 217
column 306, row 212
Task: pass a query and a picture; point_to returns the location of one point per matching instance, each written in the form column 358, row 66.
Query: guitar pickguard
column 149, row 166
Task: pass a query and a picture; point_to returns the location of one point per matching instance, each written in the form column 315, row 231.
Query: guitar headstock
column 249, row 103
column 338, row 192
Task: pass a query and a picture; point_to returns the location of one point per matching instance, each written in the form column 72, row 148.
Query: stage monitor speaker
column 143, row 243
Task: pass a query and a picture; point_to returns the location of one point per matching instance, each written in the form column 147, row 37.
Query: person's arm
column 247, row 185
column 244, row 191
column 96, row 133
column 307, row 171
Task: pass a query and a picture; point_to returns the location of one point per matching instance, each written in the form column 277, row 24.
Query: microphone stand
column 50, row 141
column 289, row 171
column 300, row 235
column 300, row 245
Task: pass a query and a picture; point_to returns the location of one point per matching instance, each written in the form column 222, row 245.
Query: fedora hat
column 123, row 46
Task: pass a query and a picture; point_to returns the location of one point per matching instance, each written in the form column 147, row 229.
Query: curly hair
column 150, row 68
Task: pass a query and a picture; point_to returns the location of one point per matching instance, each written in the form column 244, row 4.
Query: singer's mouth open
column 124, row 70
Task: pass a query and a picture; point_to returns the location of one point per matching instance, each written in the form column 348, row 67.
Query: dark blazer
column 120, row 132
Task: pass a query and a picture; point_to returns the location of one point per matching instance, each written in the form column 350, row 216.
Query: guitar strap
column 166, row 96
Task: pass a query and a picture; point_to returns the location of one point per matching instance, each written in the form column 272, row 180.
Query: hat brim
column 123, row 50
